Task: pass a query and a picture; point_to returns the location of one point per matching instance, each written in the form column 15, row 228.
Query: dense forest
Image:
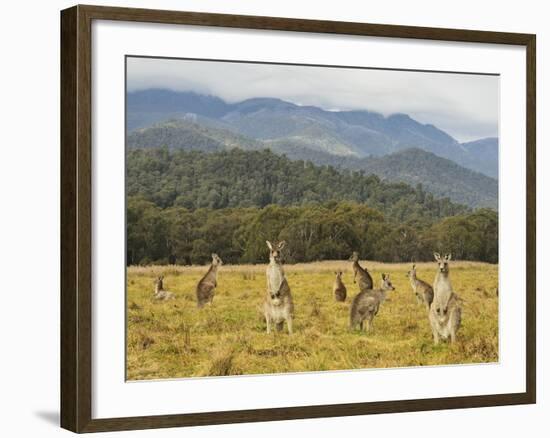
column 184, row 205
column 439, row 176
column 240, row 179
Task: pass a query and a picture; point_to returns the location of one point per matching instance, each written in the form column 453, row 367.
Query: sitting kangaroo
column 161, row 294
column 207, row 284
column 366, row 304
column 423, row 291
column 445, row 312
column 339, row 289
column 278, row 305
column 365, row 280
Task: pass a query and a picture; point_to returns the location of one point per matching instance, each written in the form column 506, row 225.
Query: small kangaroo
column 365, row 280
column 160, row 294
column 445, row 311
column 207, row 285
column 423, row 291
column 278, row 304
column 366, row 304
column 339, row 289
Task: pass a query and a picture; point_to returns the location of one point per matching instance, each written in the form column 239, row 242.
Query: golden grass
column 175, row 339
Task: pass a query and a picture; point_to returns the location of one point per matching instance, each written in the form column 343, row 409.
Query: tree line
column 323, row 231
column 184, row 205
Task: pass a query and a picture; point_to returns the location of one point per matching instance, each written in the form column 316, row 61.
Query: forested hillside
column 183, row 205
column 238, row 178
column 439, row 176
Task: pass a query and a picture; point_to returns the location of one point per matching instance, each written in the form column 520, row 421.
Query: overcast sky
column 463, row 105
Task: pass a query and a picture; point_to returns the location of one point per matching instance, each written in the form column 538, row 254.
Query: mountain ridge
column 360, row 133
column 437, row 175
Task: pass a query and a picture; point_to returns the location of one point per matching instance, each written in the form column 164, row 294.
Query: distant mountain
column 481, row 155
column 283, row 124
column 437, row 175
column 186, row 134
column 147, row 107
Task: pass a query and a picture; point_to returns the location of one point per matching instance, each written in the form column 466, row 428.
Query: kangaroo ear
column 341, row 273
column 282, row 244
column 414, row 266
column 269, row 244
column 448, row 257
column 437, row 256
column 383, row 276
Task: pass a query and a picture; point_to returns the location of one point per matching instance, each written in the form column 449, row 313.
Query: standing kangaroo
column 445, row 312
column 207, row 284
column 278, row 305
column 161, row 294
column 366, row 304
column 423, row 291
column 339, row 289
column 365, row 280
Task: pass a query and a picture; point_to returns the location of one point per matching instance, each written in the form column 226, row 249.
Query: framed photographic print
column 270, row 218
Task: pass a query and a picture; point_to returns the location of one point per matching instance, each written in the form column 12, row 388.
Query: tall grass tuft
column 221, row 363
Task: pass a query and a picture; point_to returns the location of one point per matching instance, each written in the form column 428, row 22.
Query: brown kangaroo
column 161, row 294
column 423, row 291
column 278, row 304
column 365, row 280
column 339, row 289
column 366, row 304
column 445, row 312
column 207, row 284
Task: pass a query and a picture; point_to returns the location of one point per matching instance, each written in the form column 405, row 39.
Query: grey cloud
column 464, row 105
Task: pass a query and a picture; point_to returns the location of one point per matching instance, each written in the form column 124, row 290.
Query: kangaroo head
column 275, row 250
column 216, row 260
column 442, row 262
column 386, row 283
column 354, row 257
column 412, row 272
column 339, row 274
column 158, row 282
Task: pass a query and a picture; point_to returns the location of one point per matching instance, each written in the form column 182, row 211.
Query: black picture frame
column 76, row 218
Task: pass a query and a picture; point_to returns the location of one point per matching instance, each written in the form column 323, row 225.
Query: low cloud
column 464, row 105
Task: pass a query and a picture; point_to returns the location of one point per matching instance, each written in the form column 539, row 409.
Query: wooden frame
column 76, row 174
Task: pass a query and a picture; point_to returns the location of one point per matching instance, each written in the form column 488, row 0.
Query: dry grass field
column 175, row 339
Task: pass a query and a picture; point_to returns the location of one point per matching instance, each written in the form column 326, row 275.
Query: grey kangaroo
column 207, row 285
column 366, row 304
column 278, row 304
column 423, row 291
column 445, row 312
column 161, row 294
column 365, row 280
column 339, row 289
